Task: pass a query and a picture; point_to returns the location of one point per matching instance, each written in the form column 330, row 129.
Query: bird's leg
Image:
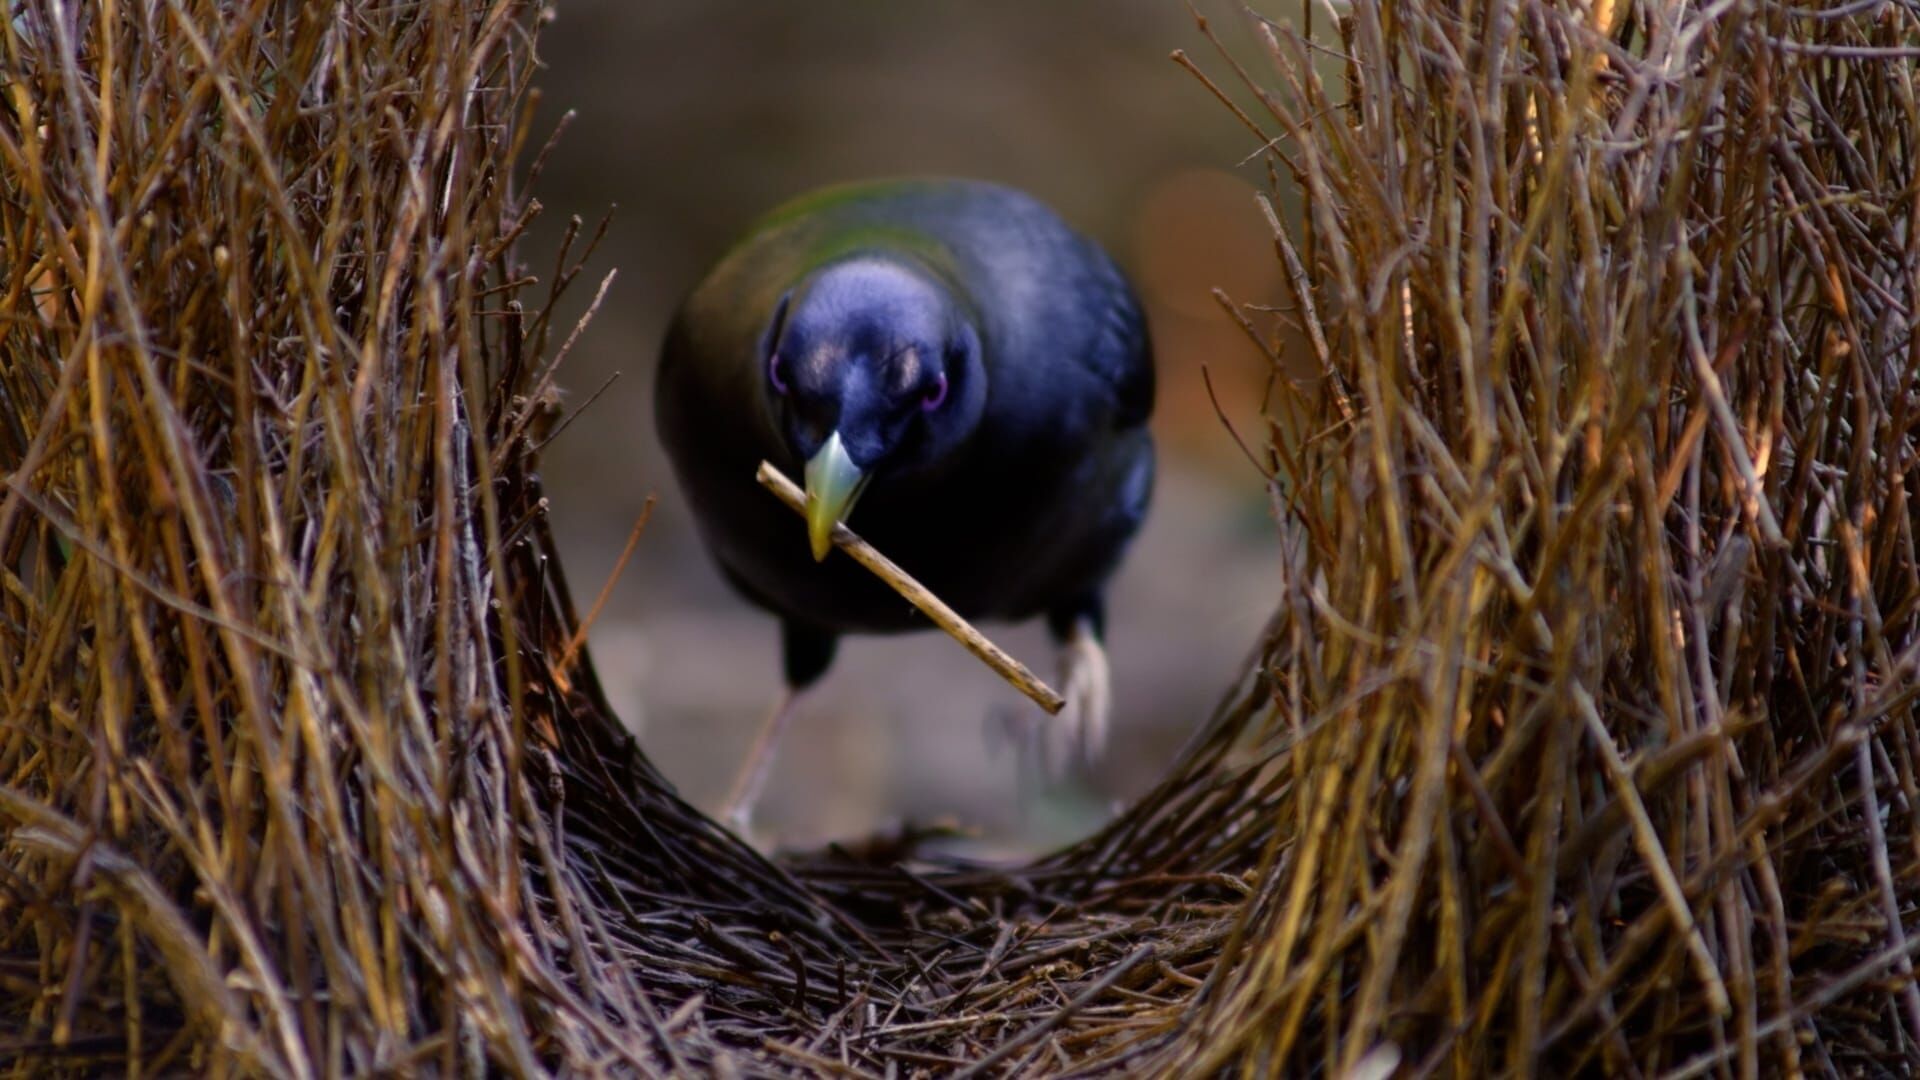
column 806, row 652
column 1080, row 730
column 738, row 811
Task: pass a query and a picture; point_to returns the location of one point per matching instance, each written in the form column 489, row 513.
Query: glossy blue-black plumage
column 1015, row 498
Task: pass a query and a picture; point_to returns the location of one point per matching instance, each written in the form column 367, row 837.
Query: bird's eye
column 774, row 376
column 937, row 395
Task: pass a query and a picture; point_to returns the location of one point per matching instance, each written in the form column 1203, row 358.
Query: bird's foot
column 738, row 818
column 1079, row 732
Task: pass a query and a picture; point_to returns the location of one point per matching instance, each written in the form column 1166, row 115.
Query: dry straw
column 1582, row 736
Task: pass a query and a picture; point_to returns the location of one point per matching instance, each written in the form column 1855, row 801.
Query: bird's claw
column 739, row 818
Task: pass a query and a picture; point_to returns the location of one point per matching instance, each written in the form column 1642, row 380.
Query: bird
column 961, row 378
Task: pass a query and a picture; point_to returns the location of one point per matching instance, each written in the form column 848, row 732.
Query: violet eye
column 778, row 380
column 935, row 396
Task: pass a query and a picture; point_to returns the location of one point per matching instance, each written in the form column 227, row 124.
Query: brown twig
column 579, row 637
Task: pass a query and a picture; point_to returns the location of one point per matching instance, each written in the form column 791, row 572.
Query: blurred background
column 694, row 116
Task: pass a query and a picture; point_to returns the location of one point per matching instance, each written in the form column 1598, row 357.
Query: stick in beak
column 834, row 484
column 919, row 596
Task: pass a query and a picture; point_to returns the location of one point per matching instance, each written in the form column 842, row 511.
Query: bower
column 1582, row 737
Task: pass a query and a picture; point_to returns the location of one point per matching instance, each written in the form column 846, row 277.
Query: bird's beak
column 834, row 483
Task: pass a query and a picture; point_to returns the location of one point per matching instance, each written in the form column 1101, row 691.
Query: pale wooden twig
column 919, row 596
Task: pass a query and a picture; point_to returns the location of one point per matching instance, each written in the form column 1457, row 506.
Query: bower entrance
column 1583, row 736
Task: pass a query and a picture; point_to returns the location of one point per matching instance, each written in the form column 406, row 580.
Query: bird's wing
column 1027, row 259
column 1120, row 353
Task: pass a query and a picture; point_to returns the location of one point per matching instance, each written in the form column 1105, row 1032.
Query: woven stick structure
column 1582, row 736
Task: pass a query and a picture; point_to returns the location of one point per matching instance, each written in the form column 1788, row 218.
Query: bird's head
column 872, row 368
